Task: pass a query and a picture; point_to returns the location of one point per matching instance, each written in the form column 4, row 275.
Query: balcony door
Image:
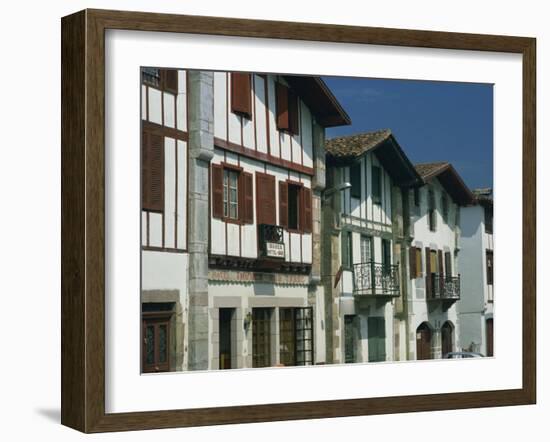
column 366, row 248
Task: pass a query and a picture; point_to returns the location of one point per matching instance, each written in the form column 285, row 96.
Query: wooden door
column 423, row 342
column 446, row 338
column 489, row 333
column 156, row 343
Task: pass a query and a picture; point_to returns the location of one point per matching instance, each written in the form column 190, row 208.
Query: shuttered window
column 293, row 113
column 283, row 120
column 288, row 109
column 306, row 219
column 376, row 185
column 429, row 292
column 355, row 180
column 413, row 272
column 241, row 94
column 295, row 207
column 232, row 194
column 265, row 199
column 152, row 172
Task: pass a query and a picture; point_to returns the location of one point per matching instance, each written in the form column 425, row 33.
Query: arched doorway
column 489, row 335
column 423, row 342
column 446, row 338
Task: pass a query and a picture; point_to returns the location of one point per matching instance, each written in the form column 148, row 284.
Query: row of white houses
column 263, row 244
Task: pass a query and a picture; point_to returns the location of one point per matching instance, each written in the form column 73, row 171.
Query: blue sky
column 432, row 121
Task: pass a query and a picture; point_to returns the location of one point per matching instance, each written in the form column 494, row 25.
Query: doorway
column 446, row 338
column 423, row 342
column 226, row 316
column 489, row 333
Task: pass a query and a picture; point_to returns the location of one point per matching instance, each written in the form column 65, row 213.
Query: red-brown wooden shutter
column 246, row 206
column 306, row 218
column 170, row 80
column 265, row 199
column 241, row 93
column 145, row 171
column 428, row 274
column 293, row 113
column 412, row 263
column 283, row 122
column 283, row 204
column 217, row 191
column 156, row 164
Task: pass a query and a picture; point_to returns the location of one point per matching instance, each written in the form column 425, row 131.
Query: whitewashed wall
column 260, row 133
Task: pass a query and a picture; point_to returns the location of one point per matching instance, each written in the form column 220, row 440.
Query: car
column 462, row 355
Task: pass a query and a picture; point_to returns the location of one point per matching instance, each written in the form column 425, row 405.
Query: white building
column 476, row 266
column 231, row 247
column 363, row 244
column 434, row 284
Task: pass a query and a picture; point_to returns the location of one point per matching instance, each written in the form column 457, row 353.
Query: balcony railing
column 270, row 241
column 375, row 279
column 443, row 287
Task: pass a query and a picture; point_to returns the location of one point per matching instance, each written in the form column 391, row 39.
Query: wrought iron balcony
column 375, row 279
column 444, row 288
column 270, row 241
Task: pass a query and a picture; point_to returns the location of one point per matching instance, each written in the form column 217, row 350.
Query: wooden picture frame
column 83, row 220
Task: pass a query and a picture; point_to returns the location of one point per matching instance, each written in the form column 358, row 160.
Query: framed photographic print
column 268, row 221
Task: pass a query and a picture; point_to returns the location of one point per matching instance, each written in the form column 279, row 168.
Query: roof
column 319, row 99
column 386, row 148
column 449, row 179
column 483, row 197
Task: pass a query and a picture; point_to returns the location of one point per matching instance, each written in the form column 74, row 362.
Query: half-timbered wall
column 364, row 211
column 258, row 131
column 164, row 114
column 240, row 239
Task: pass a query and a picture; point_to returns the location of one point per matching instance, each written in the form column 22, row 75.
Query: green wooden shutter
column 377, row 338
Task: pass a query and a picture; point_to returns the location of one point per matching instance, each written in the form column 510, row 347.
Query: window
column 287, row 109
column 152, row 172
column 489, row 261
column 296, row 336
column 366, row 249
column 431, row 211
column 241, row 94
column 488, row 215
column 448, row 265
column 347, row 250
column 386, row 256
column 416, row 196
column 355, row 180
column 232, row 191
column 230, row 194
column 261, row 337
column 295, row 207
column 376, row 185
column 164, row 79
column 445, row 207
